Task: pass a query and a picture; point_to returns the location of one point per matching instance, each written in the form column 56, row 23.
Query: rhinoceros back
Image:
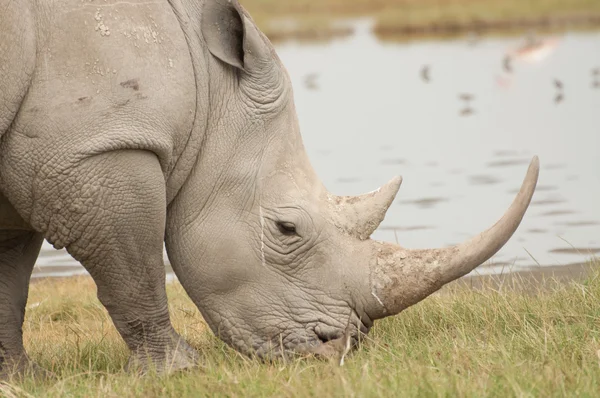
column 17, row 58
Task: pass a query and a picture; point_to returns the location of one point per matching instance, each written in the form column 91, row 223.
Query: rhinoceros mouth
column 321, row 341
column 336, row 342
column 354, row 328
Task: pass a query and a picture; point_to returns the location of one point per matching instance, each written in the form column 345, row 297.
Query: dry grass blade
column 12, row 391
column 347, row 342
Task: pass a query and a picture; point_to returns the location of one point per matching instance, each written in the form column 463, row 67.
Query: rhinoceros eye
column 286, row 228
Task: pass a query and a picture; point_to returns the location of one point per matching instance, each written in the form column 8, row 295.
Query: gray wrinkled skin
column 124, row 125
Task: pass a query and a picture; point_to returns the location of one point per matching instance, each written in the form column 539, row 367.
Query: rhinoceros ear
column 231, row 35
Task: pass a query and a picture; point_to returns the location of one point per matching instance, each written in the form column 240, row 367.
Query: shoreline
column 437, row 30
column 530, row 280
column 520, row 279
column 483, row 27
column 432, row 30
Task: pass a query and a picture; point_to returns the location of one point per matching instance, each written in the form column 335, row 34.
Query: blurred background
column 456, row 96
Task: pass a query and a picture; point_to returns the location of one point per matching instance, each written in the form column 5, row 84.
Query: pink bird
column 503, row 81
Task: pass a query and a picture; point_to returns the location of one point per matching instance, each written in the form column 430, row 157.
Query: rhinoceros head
column 275, row 262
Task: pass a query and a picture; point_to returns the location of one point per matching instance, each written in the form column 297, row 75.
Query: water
column 367, row 115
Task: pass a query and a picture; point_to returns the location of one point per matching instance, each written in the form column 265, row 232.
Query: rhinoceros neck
column 203, row 164
column 188, row 15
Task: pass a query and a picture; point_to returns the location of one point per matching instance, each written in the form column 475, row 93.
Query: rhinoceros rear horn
column 360, row 215
column 232, row 36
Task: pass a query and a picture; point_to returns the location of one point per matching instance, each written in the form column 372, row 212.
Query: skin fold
column 127, row 125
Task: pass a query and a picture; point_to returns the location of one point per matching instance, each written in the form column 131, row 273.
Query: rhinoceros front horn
column 402, row 277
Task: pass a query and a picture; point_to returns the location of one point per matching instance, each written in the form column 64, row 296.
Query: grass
column 523, row 340
column 312, row 18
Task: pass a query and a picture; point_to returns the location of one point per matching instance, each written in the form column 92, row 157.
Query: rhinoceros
column 126, row 126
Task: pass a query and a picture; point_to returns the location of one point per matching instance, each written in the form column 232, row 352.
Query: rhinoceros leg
column 111, row 217
column 19, row 248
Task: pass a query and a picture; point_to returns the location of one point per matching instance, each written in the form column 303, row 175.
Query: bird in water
column 596, row 75
column 466, row 97
column 425, row 74
column 559, row 98
column 558, row 84
column 507, row 64
column 534, row 49
column 559, row 94
column 310, row 81
column 466, row 111
column 503, row 81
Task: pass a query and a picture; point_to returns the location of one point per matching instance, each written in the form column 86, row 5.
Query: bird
column 467, row 111
column 507, row 64
column 596, row 84
column 558, row 84
column 559, row 95
column 596, row 72
column 425, row 74
column 503, row 81
column 310, row 81
column 559, row 98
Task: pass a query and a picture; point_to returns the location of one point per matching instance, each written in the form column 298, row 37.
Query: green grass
column 313, row 18
column 523, row 340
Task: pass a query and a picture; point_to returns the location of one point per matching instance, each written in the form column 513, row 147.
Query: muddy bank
column 529, row 281
column 386, row 30
column 309, row 34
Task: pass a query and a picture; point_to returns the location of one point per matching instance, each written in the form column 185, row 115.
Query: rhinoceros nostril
column 324, row 338
column 327, row 333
